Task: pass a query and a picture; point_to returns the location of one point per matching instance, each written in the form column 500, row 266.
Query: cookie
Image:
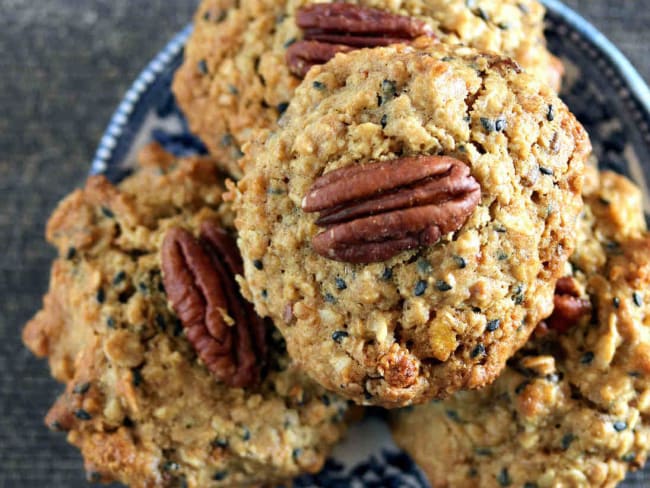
column 405, row 226
column 571, row 408
column 235, row 77
column 143, row 400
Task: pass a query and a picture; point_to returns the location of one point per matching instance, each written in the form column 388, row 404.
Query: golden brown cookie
column 405, row 226
column 235, row 76
column 571, row 409
column 140, row 402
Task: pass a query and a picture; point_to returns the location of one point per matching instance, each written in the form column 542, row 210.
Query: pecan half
column 374, row 211
column 569, row 308
column 225, row 331
column 330, row 28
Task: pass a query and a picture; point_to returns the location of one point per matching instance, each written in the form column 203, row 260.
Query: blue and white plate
column 602, row 88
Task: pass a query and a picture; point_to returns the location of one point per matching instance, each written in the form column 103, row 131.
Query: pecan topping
column 198, row 275
column 374, row 211
column 569, row 307
column 330, row 28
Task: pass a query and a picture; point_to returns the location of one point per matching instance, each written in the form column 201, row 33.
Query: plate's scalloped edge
column 145, row 79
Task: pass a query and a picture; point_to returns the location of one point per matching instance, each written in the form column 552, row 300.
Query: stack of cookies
column 396, row 211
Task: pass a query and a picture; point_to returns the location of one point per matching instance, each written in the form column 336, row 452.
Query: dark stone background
column 64, row 65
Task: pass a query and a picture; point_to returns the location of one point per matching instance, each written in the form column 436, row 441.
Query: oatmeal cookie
column 405, row 227
column 235, row 76
column 571, row 408
column 141, row 406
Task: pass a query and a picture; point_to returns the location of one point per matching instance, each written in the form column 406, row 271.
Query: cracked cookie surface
column 430, row 321
column 572, row 407
column 140, row 405
column 235, row 77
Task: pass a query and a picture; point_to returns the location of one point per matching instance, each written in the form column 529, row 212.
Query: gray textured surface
column 64, row 65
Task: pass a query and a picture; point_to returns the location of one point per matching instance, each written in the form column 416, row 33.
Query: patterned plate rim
column 637, row 87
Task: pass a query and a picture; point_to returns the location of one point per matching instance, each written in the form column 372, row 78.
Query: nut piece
column 302, row 55
column 198, row 275
column 331, row 28
column 569, row 307
column 374, row 211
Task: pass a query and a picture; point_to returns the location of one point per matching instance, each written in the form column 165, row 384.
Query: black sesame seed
column 488, row 124
column 587, row 358
column 81, row 414
column 290, row 42
column 500, row 228
column 567, row 439
column 119, row 278
column 329, row 298
column 493, row 325
column 107, row 212
column 460, row 261
column 171, row 466
column 178, row 327
column 318, row 85
column 246, row 434
column 420, row 288
column 629, row 457
column 110, row 322
column 137, row 377
column 524, row 8
column 521, row 387
column 282, row 107
column 500, row 124
column 620, row 426
column 218, row 442
column 220, row 475
column 233, row 90
column 203, row 67
column 503, row 25
column 160, row 321
column 340, row 283
column 389, row 87
column 380, row 100
column 530, row 484
column 226, row 140
column 424, row 266
column 504, row 478
column 616, row 302
column 326, row 400
column 453, row 415
column 483, row 451
column 550, row 115
column 387, row 274
column 296, row 453
column 446, row 59
column 81, row 388
column 638, row 299
column 72, row 252
column 502, row 255
column 265, row 294
column 472, row 472
column 384, row 121
column 100, row 296
column 443, row 286
column 546, row 171
column 478, row 351
column 339, row 335
column 482, row 14
column 258, row 264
